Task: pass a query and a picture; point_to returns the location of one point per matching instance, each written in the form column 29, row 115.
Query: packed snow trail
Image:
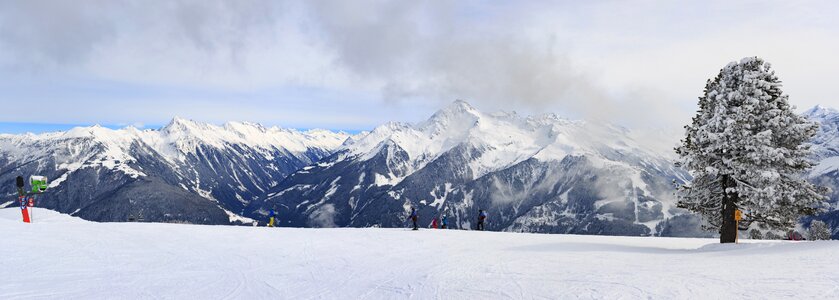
column 59, row 256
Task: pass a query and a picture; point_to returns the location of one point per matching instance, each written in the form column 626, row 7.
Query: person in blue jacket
column 413, row 217
column 482, row 216
column 271, row 219
column 444, row 223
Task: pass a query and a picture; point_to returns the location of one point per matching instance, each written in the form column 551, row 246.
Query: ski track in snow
column 63, row 257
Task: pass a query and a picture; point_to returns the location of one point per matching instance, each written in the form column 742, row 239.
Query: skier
column 413, row 217
column 434, row 223
column 793, row 235
column 482, row 215
column 444, row 224
column 271, row 215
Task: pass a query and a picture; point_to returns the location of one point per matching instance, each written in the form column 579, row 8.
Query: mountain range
column 538, row 173
column 825, row 147
column 531, row 174
column 184, row 172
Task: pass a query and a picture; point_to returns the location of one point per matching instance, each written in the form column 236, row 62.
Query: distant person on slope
column 444, row 224
column 271, row 215
column 414, row 217
column 482, row 216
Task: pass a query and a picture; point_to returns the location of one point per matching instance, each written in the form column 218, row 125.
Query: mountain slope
column 532, row 174
column 535, row 174
column 186, row 172
column 826, row 154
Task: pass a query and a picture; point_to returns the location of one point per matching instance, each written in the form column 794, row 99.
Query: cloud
column 324, row 216
column 597, row 62
column 636, row 64
column 41, row 33
column 435, row 50
column 71, row 31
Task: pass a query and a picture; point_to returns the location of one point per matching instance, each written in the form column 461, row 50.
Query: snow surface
column 63, row 257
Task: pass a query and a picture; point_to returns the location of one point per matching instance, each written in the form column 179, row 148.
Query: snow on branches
column 747, row 143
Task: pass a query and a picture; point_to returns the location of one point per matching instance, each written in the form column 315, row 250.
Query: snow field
column 63, row 257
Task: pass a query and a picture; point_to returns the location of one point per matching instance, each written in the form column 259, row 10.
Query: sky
column 352, row 65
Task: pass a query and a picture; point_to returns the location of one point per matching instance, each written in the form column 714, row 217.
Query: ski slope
column 63, row 257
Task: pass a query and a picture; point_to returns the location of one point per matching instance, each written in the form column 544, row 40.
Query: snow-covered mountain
column 186, row 171
column 826, row 143
column 826, row 154
column 533, row 174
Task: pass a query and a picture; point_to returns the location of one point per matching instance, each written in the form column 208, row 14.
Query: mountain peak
column 246, row 127
column 179, row 120
column 820, row 111
column 180, row 124
column 458, row 110
column 459, row 106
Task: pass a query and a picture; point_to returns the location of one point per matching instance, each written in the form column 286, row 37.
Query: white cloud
column 355, row 64
column 324, row 216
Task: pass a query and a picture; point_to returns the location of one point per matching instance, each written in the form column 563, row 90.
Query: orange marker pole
column 24, row 210
column 737, row 217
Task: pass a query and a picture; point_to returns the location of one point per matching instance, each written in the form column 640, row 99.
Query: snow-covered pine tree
column 818, row 231
column 772, row 236
column 747, row 150
column 755, row 234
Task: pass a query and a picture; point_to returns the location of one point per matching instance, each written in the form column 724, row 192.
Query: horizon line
column 16, row 128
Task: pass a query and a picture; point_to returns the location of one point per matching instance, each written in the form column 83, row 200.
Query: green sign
column 39, row 183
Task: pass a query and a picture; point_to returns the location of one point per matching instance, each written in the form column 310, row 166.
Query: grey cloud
column 41, row 33
column 52, row 32
column 622, row 62
column 460, row 56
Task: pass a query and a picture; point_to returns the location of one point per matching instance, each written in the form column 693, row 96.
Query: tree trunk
column 728, row 229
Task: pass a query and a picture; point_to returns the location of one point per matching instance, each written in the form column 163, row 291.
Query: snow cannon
column 20, row 185
column 38, row 183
